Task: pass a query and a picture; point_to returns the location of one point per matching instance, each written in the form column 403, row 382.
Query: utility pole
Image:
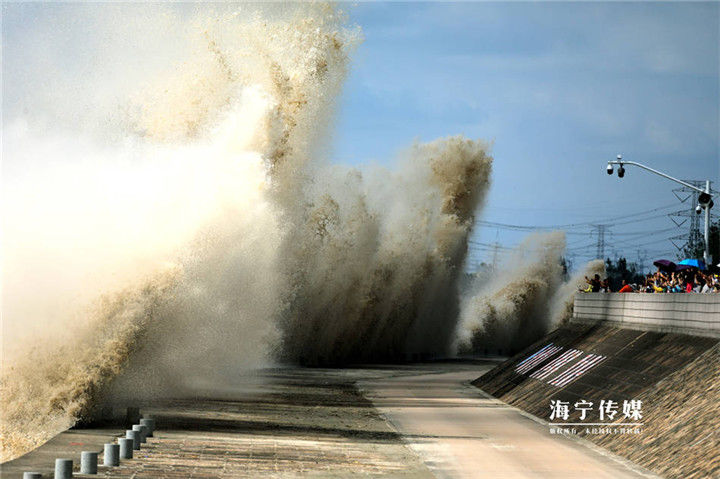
column 705, row 198
column 642, row 258
column 706, row 256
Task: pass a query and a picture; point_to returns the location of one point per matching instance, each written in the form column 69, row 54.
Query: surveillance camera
column 610, row 169
column 619, row 157
column 698, row 209
column 621, row 172
column 705, row 200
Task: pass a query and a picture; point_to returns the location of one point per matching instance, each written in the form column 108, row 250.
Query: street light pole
column 706, row 256
column 704, row 194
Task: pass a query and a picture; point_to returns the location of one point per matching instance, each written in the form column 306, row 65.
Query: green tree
column 622, row 270
column 695, row 247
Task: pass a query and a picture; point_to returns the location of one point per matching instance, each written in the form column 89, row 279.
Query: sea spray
column 53, row 385
column 204, row 232
column 522, row 301
column 561, row 309
column 375, row 261
column 209, row 153
column 513, row 309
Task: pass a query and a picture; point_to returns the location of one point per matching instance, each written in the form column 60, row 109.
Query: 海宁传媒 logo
column 605, row 417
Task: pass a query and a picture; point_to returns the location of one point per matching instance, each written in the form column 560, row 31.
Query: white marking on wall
column 577, row 370
column 555, row 364
column 532, row 361
column 524, row 361
column 571, row 370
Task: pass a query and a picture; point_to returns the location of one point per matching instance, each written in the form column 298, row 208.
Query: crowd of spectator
column 686, row 281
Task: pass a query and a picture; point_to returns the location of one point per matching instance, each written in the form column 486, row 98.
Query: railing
column 697, row 314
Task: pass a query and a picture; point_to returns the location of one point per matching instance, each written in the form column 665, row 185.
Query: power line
column 645, row 232
column 608, row 221
column 600, row 231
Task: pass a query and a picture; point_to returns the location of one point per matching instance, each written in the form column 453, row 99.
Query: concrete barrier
column 142, row 430
column 111, row 455
column 150, row 424
column 63, row 468
column 88, row 462
column 696, row 314
column 126, row 447
column 135, row 436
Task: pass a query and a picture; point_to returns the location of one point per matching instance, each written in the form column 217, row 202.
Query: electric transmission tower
column 600, row 229
column 694, row 238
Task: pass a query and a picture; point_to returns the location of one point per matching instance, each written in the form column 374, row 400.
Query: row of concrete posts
column 112, row 452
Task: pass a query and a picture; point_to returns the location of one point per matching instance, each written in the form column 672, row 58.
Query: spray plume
column 525, row 300
column 511, row 310
column 562, row 305
column 197, row 230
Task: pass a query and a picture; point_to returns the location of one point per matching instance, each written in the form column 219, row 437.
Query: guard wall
column 696, row 314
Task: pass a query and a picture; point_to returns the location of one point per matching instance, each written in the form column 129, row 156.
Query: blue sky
column 560, row 88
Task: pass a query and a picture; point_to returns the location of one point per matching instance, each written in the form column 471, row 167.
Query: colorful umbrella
column 693, row 263
column 665, row 265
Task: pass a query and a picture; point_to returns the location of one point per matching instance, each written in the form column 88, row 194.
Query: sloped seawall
column 660, row 350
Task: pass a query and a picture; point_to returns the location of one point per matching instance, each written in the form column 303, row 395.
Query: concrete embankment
column 681, row 438
column 606, row 354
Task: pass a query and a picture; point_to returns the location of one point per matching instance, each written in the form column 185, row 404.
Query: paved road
column 461, row 433
column 275, row 423
column 294, row 422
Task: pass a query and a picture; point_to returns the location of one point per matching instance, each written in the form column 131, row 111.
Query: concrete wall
column 697, row 314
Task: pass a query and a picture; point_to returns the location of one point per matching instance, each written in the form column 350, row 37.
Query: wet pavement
column 280, row 423
column 460, row 432
column 416, row 421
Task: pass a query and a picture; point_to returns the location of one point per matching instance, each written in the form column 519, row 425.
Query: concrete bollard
column 150, row 424
column 135, row 436
column 63, row 468
column 88, row 462
column 143, row 430
column 32, row 475
column 126, row 448
column 111, row 455
column 132, row 416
